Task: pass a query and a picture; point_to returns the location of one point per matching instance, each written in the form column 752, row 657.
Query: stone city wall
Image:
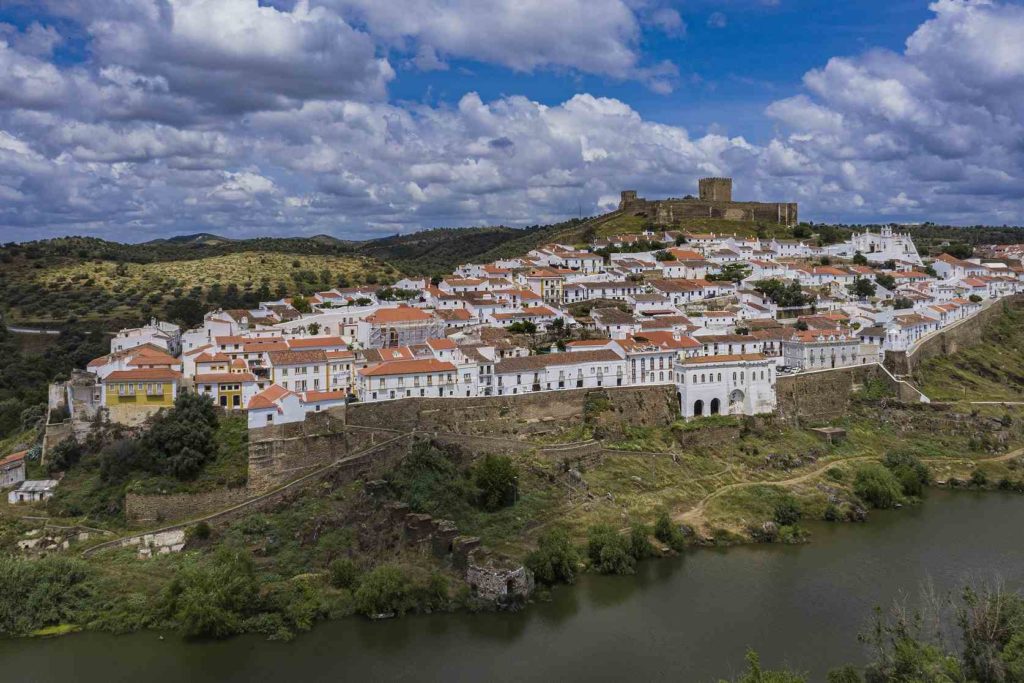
column 825, row 395
column 148, row 509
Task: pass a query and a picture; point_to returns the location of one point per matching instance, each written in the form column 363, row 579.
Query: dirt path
column 695, row 514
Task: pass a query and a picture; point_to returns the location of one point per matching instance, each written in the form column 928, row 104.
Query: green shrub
column 787, row 511
column 609, row 551
column 912, row 474
column 979, row 478
column 877, row 486
column 430, row 481
column 385, row 590
column 43, row 592
column 496, row 480
column 211, row 598
column 64, row 456
column 555, row 558
column 668, row 533
column 836, row 474
column 639, row 545
column 200, row 531
column 299, row 604
column 344, row 573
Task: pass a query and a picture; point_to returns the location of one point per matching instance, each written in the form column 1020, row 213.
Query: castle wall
column 667, row 211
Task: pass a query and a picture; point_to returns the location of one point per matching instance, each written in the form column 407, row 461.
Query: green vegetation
column 39, row 593
column 976, row 637
column 496, row 480
column 877, row 486
column 609, row 551
column 781, row 293
column 24, row 375
column 990, row 371
column 117, row 284
column 185, row 449
column 555, row 559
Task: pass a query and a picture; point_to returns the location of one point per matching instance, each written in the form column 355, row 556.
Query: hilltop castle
column 714, row 201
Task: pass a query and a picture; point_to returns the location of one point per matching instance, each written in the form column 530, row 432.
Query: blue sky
column 144, row 118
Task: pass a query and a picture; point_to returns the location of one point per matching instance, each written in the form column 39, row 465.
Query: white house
column 742, row 384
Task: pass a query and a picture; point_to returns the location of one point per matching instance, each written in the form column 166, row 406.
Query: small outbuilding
column 12, row 469
column 32, row 490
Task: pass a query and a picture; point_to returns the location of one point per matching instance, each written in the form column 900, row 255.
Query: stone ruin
column 492, row 577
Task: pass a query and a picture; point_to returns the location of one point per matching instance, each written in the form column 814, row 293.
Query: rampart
column 826, row 395
column 668, row 211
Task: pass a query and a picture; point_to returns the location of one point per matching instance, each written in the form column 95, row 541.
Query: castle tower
column 715, row 189
column 626, row 198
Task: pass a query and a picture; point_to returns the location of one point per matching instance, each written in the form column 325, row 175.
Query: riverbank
column 689, row 618
column 336, row 549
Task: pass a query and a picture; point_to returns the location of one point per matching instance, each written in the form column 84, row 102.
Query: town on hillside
column 718, row 316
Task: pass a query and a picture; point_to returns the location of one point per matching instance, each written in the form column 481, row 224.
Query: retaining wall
column 825, row 395
column 147, row 509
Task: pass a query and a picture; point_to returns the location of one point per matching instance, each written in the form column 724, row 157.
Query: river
column 685, row 619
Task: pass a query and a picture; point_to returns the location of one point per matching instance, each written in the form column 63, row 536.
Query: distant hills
column 440, row 250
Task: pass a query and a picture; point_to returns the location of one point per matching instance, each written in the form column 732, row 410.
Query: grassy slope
column 990, row 371
column 618, row 224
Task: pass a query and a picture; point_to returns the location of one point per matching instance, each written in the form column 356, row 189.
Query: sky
column 137, row 119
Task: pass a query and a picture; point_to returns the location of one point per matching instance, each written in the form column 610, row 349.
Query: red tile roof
column 143, row 374
column 407, row 367
column 13, row 457
column 398, row 315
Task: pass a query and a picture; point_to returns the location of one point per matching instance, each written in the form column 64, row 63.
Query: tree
column 801, row 232
column 301, row 304
column 877, row 486
column 960, row 250
column 609, row 551
column 782, row 294
column 181, row 439
column 886, row 280
column 664, row 255
column 902, row 302
column 862, row 288
column 211, row 599
column 313, row 328
column 668, row 533
column 187, row 311
column 524, row 327
column 555, row 559
column 64, row 455
column 385, row 590
column 731, row 272
column 860, row 259
column 496, row 479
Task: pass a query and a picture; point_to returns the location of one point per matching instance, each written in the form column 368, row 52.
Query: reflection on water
column 686, row 619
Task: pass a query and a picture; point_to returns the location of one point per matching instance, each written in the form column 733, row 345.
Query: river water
column 686, row 619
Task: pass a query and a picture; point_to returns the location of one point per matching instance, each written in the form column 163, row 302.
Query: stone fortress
column 714, row 201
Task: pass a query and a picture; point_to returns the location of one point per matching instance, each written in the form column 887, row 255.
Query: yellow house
column 132, row 395
column 227, row 389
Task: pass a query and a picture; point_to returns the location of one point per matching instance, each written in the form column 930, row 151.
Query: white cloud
column 151, row 135
column 589, row 36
